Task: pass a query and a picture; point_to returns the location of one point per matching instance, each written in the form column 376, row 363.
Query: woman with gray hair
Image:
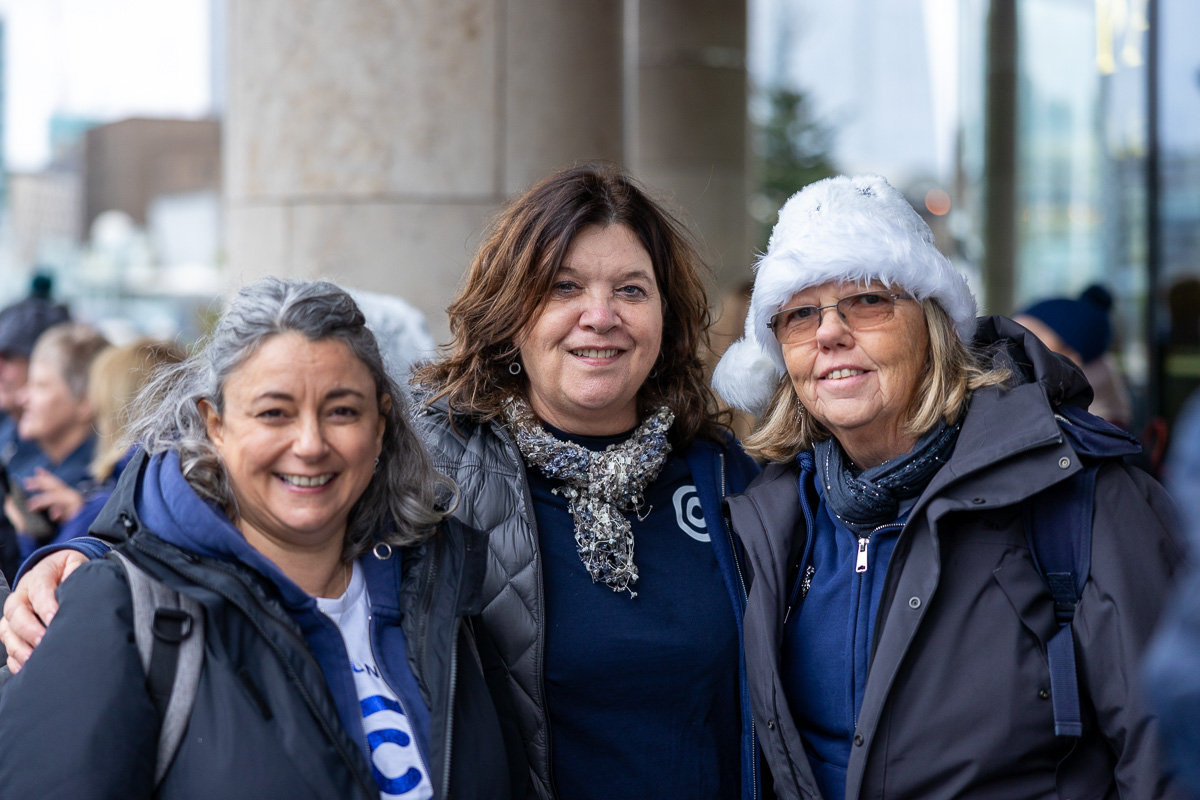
column 900, row 638
column 281, row 488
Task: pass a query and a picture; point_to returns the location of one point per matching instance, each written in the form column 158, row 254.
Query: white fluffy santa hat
column 850, row 230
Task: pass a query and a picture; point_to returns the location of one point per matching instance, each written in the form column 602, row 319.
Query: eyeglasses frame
column 821, row 309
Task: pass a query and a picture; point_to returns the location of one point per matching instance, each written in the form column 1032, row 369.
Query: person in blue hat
column 1080, row 329
column 20, row 326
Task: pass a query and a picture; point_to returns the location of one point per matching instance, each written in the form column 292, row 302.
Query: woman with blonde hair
column 900, row 641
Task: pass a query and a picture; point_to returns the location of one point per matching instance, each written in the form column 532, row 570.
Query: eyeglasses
column 858, row 311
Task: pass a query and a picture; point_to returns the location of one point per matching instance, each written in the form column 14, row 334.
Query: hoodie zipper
column 864, row 541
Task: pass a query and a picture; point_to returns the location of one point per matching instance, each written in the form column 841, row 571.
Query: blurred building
column 128, row 164
column 44, row 213
column 1065, row 135
column 67, row 133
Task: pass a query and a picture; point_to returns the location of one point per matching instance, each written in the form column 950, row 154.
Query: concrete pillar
column 368, row 141
column 690, row 130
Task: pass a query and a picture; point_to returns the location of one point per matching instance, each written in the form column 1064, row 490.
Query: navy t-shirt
column 642, row 692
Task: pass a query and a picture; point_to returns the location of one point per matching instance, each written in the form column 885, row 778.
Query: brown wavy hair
column 509, row 283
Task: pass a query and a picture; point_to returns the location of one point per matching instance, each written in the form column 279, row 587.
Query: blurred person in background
column 117, row 375
column 20, row 326
column 58, row 417
column 1172, row 670
column 899, row 636
column 281, row 488
column 1081, row 330
column 573, row 412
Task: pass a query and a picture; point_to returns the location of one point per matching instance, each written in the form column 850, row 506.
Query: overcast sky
column 107, row 59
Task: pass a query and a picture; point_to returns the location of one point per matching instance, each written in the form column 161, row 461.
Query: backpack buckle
column 171, row 625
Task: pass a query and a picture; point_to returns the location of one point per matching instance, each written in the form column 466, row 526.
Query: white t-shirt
column 395, row 760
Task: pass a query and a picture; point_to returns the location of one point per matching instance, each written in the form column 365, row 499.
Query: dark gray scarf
column 864, row 500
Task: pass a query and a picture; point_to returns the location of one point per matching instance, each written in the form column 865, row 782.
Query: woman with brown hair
column 573, row 412
column 913, row 628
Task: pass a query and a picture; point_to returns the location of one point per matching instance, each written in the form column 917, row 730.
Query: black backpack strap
column 1058, row 525
column 169, row 629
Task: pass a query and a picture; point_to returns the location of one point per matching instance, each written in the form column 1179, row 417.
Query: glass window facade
column 1105, row 178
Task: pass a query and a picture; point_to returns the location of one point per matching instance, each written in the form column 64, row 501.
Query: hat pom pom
column 746, row 377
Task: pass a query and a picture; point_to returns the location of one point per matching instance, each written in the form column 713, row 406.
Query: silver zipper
column 860, row 564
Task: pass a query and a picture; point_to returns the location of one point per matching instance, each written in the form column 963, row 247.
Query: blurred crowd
column 63, row 395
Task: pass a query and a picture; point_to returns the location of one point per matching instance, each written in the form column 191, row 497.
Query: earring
column 514, row 368
column 376, row 463
column 799, row 412
column 657, row 362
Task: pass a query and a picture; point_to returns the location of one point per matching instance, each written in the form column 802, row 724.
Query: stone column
column 368, row 141
column 691, row 125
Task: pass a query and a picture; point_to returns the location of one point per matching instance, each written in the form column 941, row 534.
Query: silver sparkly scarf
column 600, row 487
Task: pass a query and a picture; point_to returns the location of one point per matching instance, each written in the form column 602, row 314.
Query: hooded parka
column 957, row 701
column 276, row 712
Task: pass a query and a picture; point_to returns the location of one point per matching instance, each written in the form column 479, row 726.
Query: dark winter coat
column 276, row 709
column 485, row 462
column 957, row 700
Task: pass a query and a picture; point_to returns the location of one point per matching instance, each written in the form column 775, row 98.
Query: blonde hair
column 114, row 380
column 952, row 373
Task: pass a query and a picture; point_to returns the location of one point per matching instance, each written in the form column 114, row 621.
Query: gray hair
column 406, row 496
column 72, row 346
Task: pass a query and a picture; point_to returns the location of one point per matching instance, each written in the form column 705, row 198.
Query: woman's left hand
column 49, row 493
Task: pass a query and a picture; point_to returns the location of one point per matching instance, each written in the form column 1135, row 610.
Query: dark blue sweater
column 828, row 633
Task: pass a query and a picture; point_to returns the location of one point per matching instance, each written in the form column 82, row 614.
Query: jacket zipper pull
column 861, row 564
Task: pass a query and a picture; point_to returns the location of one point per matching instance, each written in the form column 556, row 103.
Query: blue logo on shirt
column 376, row 739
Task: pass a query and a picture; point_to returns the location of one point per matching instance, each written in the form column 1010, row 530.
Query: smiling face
column 594, row 342
column 860, row 384
column 299, row 435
